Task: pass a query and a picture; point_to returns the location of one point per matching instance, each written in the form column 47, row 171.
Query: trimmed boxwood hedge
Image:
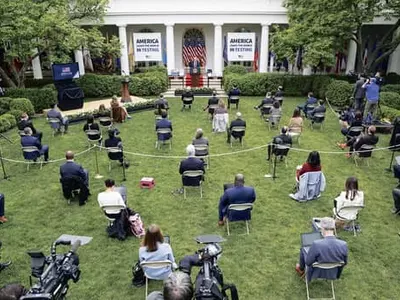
column 22, row 104
column 391, row 88
column 339, row 92
column 40, row 98
column 390, row 99
column 7, row 122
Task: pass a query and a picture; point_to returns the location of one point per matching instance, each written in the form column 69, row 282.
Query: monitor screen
column 65, row 71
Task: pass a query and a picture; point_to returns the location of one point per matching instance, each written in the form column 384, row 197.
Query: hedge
column 390, row 99
column 339, row 92
column 22, row 104
column 388, row 113
column 7, row 122
column 236, row 69
column 391, row 88
column 40, row 98
column 5, row 104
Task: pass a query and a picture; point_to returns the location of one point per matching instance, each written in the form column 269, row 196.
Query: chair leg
column 184, row 193
column 307, row 288
column 333, row 291
column 109, row 166
column 227, row 226
column 201, row 192
column 147, row 288
column 354, row 228
column 27, row 166
column 247, row 227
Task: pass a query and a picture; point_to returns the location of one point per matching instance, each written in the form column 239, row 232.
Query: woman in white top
column 350, row 197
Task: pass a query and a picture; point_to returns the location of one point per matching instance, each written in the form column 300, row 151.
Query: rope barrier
column 50, row 161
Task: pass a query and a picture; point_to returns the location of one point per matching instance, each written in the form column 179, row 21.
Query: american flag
column 194, row 48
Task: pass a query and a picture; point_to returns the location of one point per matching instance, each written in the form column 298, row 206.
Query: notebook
column 308, row 238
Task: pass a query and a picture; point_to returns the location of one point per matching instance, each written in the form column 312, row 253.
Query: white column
column 264, row 48
column 218, row 49
column 307, row 71
column 170, row 47
column 36, row 66
column 394, row 58
column 124, row 49
column 79, row 59
column 271, row 63
column 351, row 57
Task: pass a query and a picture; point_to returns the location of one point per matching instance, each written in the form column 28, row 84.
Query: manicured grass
column 261, row 264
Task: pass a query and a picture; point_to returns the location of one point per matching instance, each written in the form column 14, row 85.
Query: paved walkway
column 93, row 105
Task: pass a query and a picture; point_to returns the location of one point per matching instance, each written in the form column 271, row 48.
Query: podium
column 125, row 96
column 195, row 75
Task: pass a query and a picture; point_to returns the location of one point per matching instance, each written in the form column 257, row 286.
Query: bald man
column 237, row 194
column 71, row 169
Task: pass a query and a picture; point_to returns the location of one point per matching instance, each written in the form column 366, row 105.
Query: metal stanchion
column 97, row 176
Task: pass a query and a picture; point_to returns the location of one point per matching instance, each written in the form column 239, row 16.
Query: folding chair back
column 354, row 131
column 234, row 99
column 202, row 148
column 114, row 153
column 156, row 264
column 349, row 214
column 309, row 107
column 187, row 100
column 105, row 121
column 55, row 123
column 319, row 117
column 21, row 133
column 112, row 209
column 31, row 153
column 365, row 151
column 281, row 149
column 93, row 135
column 265, row 109
column 242, row 207
column 193, row 174
column 238, row 129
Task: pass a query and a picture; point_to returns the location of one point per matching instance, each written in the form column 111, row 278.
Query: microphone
column 75, row 246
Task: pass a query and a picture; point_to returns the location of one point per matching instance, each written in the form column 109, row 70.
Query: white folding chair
column 91, row 135
column 112, row 150
column 239, row 207
column 105, row 123
column 30, row 150
column 192, row 174
column 345, row 211
column 295, row 135
column 111, row 209
column 325, row 266
column 234, row 100
column 203, row 148
column 238, row 129
column 265, row 111
column 56, row 125
column 318, row 118
column 273, row 121
column 363, row 154
column 156, row 264
column 168, row 141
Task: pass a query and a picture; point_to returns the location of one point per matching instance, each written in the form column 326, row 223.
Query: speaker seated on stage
column 54, row 113
column 28, row 140
column 71, row 169
column 164, row 123
column 114, row 141
column 118, row 112
column 160, row 105
column 26, row 122
column 92, row 125
column 233, row 96
column 212, row 103
column 283, row 139
column 238, row 122
column 187, row 98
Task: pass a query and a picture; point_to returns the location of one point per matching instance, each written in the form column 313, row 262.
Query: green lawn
column 261, row 264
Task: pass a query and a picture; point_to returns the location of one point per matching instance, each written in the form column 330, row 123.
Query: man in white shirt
column 111, row 197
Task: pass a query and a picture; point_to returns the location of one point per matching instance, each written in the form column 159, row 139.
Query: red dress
column 307, row 168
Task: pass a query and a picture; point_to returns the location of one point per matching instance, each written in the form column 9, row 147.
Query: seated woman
column 118, row 113
column 275, row 113
column 91, row 125
column 350, row 197
column 296, row 123
column 356, row 121
column 200, row 140
column 313, row 164
column 103, row 111
column 154, row 249
column 221, row 117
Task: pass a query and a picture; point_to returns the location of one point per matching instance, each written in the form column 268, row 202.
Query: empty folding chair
column 239, row 212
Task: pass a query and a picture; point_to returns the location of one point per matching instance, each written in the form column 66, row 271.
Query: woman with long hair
column 313, row 164
column 155, row 249
column 296, row 122
column 221, row 117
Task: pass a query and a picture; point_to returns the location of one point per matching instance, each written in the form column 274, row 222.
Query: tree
column 323, row 27
column 29, row 28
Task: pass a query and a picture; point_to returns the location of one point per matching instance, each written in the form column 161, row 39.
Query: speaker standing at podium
column 195, row 65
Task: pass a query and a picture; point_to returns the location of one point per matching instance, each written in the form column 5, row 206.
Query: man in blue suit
column 310, row 100
column 326, row 250
column 55, row 114
column 28, row 141
column 233, row 92
column 192, row 163
column 164, row 123
column 71, row 169
column 236, row 195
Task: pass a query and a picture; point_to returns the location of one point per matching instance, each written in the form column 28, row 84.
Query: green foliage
column 197, row 91
column 4, row 124
column 392, row 78
column 161, row 69
column 390, row 99
column 11, row 119
column 320, row 84
column 237, row 69
column 338, row 93
column 388, row 113
column 16, row 113
column 38, row 83
column 395, row 88
column 296, row 85
column 4, row 104
column 22, row 104
column 40, row 98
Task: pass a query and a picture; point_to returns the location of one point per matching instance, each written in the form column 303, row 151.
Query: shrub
column 40, row 98
column 237, row 69
column 339, row 92
column 11, row 119
column 161, row 69
column 4, row 104
column 320, row 84
column 391, row 88
column 388, row 113
column 390, row 99
column 16, row 113
column 4, row 123
column 22, row 104
column 95, row 86
column 297, row 85
column 37, row 83
column 392, row 78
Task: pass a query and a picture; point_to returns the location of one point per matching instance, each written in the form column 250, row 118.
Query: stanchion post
column 97, row 176
column 5, row 176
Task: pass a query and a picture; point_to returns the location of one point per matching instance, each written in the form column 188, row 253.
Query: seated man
column 355, row 121
column 4, row 265
column 200, row 140
column 92, row 125
column 187, row 98
column 178, row 286
column 235, row 195
column 28, row 140
column 266, row 101
column 212, row 103
column 310, row 101
column 237, row 122
column 26, row 122
column 326, row 250
column 320, row 109
column 71, row 169
column 283, row 138
column 114, row 141
column 396, row 200
column 355, row 143
column 160, row 105
column 3, row 219
column 192, row 163
column 233, row 92
column 279, row 95
column 111, row 197
column 55, row 114
column 164, row 123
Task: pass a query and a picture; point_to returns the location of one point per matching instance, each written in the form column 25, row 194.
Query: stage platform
column 93, row 105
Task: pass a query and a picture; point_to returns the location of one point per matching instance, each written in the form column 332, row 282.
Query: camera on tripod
column 209, row 281
column 52, row 283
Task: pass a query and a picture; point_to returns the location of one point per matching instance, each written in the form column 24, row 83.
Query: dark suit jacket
column 266, row 101
column 164, row 123
column 71, row 169
column 114, row 142
column 53, row 113
column 317, row 110
column 22, row 124
column 359, row 92
column 236, row 195
column 284, row 139
column 161, row 104
column 234, row 92
column 237, row 122
column 191, row 164
column 366, row 140
column 28, row 140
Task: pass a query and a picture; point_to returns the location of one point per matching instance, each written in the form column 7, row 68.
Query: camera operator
column 178, row 286
column 359, row 93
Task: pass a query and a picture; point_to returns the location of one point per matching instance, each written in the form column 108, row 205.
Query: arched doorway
column 194, row 45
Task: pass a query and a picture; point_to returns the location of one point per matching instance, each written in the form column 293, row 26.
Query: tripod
column 5, row 176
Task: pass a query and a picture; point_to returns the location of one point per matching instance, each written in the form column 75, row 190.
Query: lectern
column 125, row 97
column 195, row 74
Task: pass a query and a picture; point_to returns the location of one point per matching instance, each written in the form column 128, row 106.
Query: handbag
column 138, row 278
